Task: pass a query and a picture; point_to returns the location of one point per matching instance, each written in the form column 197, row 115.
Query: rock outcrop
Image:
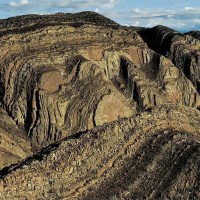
column 182, row 50
column 195, row 34
column 14, row 144
column 154, row 155
column 95, row 110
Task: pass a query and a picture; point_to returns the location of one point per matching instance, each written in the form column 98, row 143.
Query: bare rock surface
column 195, row 34
column 94, row 110
column 14, row 143
column 182, row 50
column 153, row 155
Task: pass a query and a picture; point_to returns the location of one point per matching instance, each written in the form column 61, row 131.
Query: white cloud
column 136, row 23
column 96, row 10
column 12, row 4
column 185, row 18
column 24, row 2
column 19, row 3
column 76, row 4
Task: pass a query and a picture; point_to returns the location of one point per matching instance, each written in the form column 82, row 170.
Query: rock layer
column 96, row 110
column 183, row 50
column 101, row 63
column 154, row 155
column 14, row 144
column 195, row 34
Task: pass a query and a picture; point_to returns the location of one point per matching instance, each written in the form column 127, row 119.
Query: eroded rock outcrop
column 99, row 111
column 14, row 144
column 195, row 34
column 154, row 155
column 54, row 89
column 183, row 50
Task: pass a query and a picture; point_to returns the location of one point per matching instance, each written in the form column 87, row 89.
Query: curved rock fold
column 94, row 110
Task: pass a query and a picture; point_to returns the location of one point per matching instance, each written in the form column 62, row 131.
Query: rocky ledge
column 94, row 110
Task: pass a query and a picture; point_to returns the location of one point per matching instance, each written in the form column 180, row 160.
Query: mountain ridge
column 95, row 110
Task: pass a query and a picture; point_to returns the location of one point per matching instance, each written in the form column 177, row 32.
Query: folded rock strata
column 183, row 50
column 14, row 144
column 154, row 155
column 97, row 110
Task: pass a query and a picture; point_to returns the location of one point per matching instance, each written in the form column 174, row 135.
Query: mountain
column 195, row 34
column 94, row 110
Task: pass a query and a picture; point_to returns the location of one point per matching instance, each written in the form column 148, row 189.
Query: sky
column 181, row 15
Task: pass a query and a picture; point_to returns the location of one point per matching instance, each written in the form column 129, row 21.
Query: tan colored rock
column 89, row 111
column 14, row 144
column 88, row 167
column 183, row 50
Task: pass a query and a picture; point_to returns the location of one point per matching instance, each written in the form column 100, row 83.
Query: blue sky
column 178, row 14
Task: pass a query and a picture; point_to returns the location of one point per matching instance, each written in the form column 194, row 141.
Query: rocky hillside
column 94, row 110
column 182, row 50
column 195, row 34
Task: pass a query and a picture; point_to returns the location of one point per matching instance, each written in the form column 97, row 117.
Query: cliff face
column 102, row 96
column 14, row 144
column 183, row 50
